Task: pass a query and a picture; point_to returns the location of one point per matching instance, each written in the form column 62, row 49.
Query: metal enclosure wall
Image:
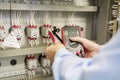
column 93, row 20
column 103, row 17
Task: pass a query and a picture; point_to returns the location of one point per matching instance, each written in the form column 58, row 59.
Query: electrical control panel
column 32, row 22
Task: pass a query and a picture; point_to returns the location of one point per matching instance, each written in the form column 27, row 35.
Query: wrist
column 61, row 52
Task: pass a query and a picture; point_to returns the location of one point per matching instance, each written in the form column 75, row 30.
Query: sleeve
column 103, row 66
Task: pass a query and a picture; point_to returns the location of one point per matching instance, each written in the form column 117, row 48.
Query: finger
column 48, row 57
column 78, row 39
column 49, row 47
column 47, row 53
column 82, row 41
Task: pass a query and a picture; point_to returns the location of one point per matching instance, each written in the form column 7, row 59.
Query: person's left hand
column 51, row 50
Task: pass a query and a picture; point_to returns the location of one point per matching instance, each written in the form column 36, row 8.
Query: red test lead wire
column 51, row 36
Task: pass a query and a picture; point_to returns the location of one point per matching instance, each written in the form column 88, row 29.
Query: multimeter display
column 72, row 31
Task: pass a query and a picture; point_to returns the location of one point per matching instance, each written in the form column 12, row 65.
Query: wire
column 1, row 16
column 18, row 17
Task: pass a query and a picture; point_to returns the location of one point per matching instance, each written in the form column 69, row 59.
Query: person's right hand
column 52, row 49
column 90, row 47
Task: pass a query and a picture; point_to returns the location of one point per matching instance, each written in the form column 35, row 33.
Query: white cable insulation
column 30, row 18
column 28, row 22
column 14, row 18
column 34, row 18
column 1, row 15
column 18, row 17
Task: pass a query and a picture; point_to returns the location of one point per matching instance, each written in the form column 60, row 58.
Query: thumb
column 77, row 39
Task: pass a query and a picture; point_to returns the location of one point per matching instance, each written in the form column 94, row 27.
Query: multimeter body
column 74, row 47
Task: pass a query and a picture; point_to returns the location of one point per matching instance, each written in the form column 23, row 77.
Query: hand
column 51, row 50
column 90, row 48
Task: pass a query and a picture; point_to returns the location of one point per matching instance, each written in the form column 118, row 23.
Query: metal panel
column 15, row 6
column 23, row 77
column 53, row 7
column 4, row 6
column 24, row 51
column 102, row 20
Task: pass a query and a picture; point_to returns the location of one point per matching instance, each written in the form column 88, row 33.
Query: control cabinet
column 19, row 15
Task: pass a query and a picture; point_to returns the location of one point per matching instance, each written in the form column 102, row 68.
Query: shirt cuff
column 62, row 52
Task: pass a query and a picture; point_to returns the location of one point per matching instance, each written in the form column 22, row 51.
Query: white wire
column 46, row 17
column 14, row 18
column 59, row 16
column 33, row 18
column 29, row 18
column 1, row 15
column 71, row 18
column 18, row 17
column 28, row 21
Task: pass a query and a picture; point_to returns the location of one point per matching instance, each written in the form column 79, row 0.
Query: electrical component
column 31, row 66
column 2, row 31
column 2, row 36
column 47, row 34
column 46, row 29
column 32, row 31
column 16, row 26
column 44, row 33
column 45, row 64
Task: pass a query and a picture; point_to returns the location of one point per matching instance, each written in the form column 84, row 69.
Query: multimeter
column 74, row 47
